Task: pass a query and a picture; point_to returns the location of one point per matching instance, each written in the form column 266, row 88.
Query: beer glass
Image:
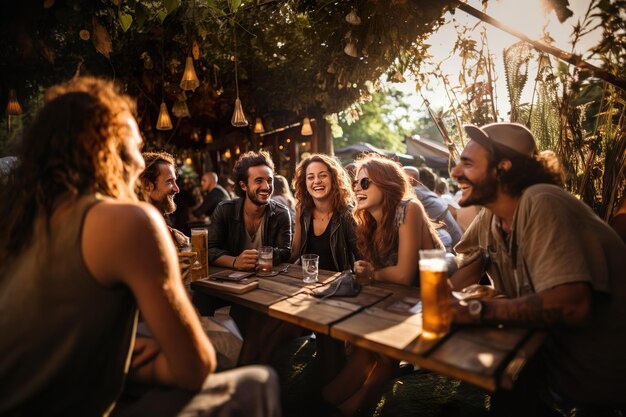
column 200, row 244
column 435, row 293
column 265, row 260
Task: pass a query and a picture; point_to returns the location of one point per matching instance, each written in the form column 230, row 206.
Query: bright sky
column 524, row 16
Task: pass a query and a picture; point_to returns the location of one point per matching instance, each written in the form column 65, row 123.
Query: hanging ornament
column 351, row 50
column 180, row 108
column 239, row 118
column 164, row 122
column 13, row 107
column 190, row 79
column 258, row 126
column 306, row 130
column 353, row 18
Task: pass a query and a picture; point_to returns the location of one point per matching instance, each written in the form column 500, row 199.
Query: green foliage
column 371, row 125
column 384, row 122
column 516, row 58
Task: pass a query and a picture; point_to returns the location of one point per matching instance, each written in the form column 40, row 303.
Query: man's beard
column 165, row 206
column 482, row 192
column 252, row 197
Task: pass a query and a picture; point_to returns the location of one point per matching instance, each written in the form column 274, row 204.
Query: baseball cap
column 508, row 138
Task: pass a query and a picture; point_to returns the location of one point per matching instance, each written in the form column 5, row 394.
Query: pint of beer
column 200, row 244
column 435, row 293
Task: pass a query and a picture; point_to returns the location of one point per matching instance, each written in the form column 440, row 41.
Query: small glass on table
column 265, row 260
column 310, row 267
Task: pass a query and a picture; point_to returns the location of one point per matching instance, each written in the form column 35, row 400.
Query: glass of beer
column 265, row 260
column 200, row 244
column 435, row 293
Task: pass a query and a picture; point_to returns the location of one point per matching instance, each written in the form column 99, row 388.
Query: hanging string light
column 13, row 107
column 239, row 118
column 180, row 108
column 306, row 130
column 258, row 126
column 190, row 80
column 164, row 122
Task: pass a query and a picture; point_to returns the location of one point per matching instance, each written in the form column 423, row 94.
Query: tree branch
column 572, row 59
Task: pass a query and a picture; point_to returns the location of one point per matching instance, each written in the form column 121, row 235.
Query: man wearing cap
column 560, row 266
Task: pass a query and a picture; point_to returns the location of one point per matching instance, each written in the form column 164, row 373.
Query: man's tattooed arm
column 567, row 304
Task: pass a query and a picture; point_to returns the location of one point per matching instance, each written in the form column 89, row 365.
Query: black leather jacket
column 342, row 238
column 227, row 231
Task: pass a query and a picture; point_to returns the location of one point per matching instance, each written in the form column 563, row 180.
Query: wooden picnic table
column 383, row 319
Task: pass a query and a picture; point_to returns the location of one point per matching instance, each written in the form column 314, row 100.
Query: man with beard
column 157, row 184
column 240, row 226
column 561, row 267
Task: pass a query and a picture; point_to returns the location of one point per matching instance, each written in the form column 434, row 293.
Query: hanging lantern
column 13, row 106
column 208, row 138
column 239, row 118
column 227, row 155
column 190, row 79
column 180, row 108
column 237, row 150
column 258, row 126
column 164, row 122
column 306, row 130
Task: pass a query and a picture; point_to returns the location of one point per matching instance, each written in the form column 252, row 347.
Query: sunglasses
column 364, row 182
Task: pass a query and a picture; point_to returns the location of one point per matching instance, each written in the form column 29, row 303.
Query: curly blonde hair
column 341, row 192
column 74, row 146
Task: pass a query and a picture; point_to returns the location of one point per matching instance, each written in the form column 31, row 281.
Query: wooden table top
column 380, row 319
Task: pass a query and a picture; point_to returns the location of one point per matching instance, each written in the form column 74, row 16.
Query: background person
column 212, row 195
column 392, row 227
column 77, row 256
column 436, row 208
column 561, row 267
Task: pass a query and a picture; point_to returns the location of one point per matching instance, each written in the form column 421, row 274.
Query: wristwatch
column 475, row 308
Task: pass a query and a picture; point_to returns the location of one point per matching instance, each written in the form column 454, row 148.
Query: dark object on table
column 344, row 286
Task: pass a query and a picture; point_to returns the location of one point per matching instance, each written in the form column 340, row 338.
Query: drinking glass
column 265, row 260
column 200, row 244
column 435, row 293
column 310, row 264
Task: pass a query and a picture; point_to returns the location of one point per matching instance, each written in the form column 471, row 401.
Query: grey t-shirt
column 556, row 239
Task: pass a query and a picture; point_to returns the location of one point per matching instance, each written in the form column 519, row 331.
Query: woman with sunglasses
column 392, row 227
column 324, row 223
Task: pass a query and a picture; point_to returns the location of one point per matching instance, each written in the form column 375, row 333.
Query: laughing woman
column 324, row 222
column 392, row 227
